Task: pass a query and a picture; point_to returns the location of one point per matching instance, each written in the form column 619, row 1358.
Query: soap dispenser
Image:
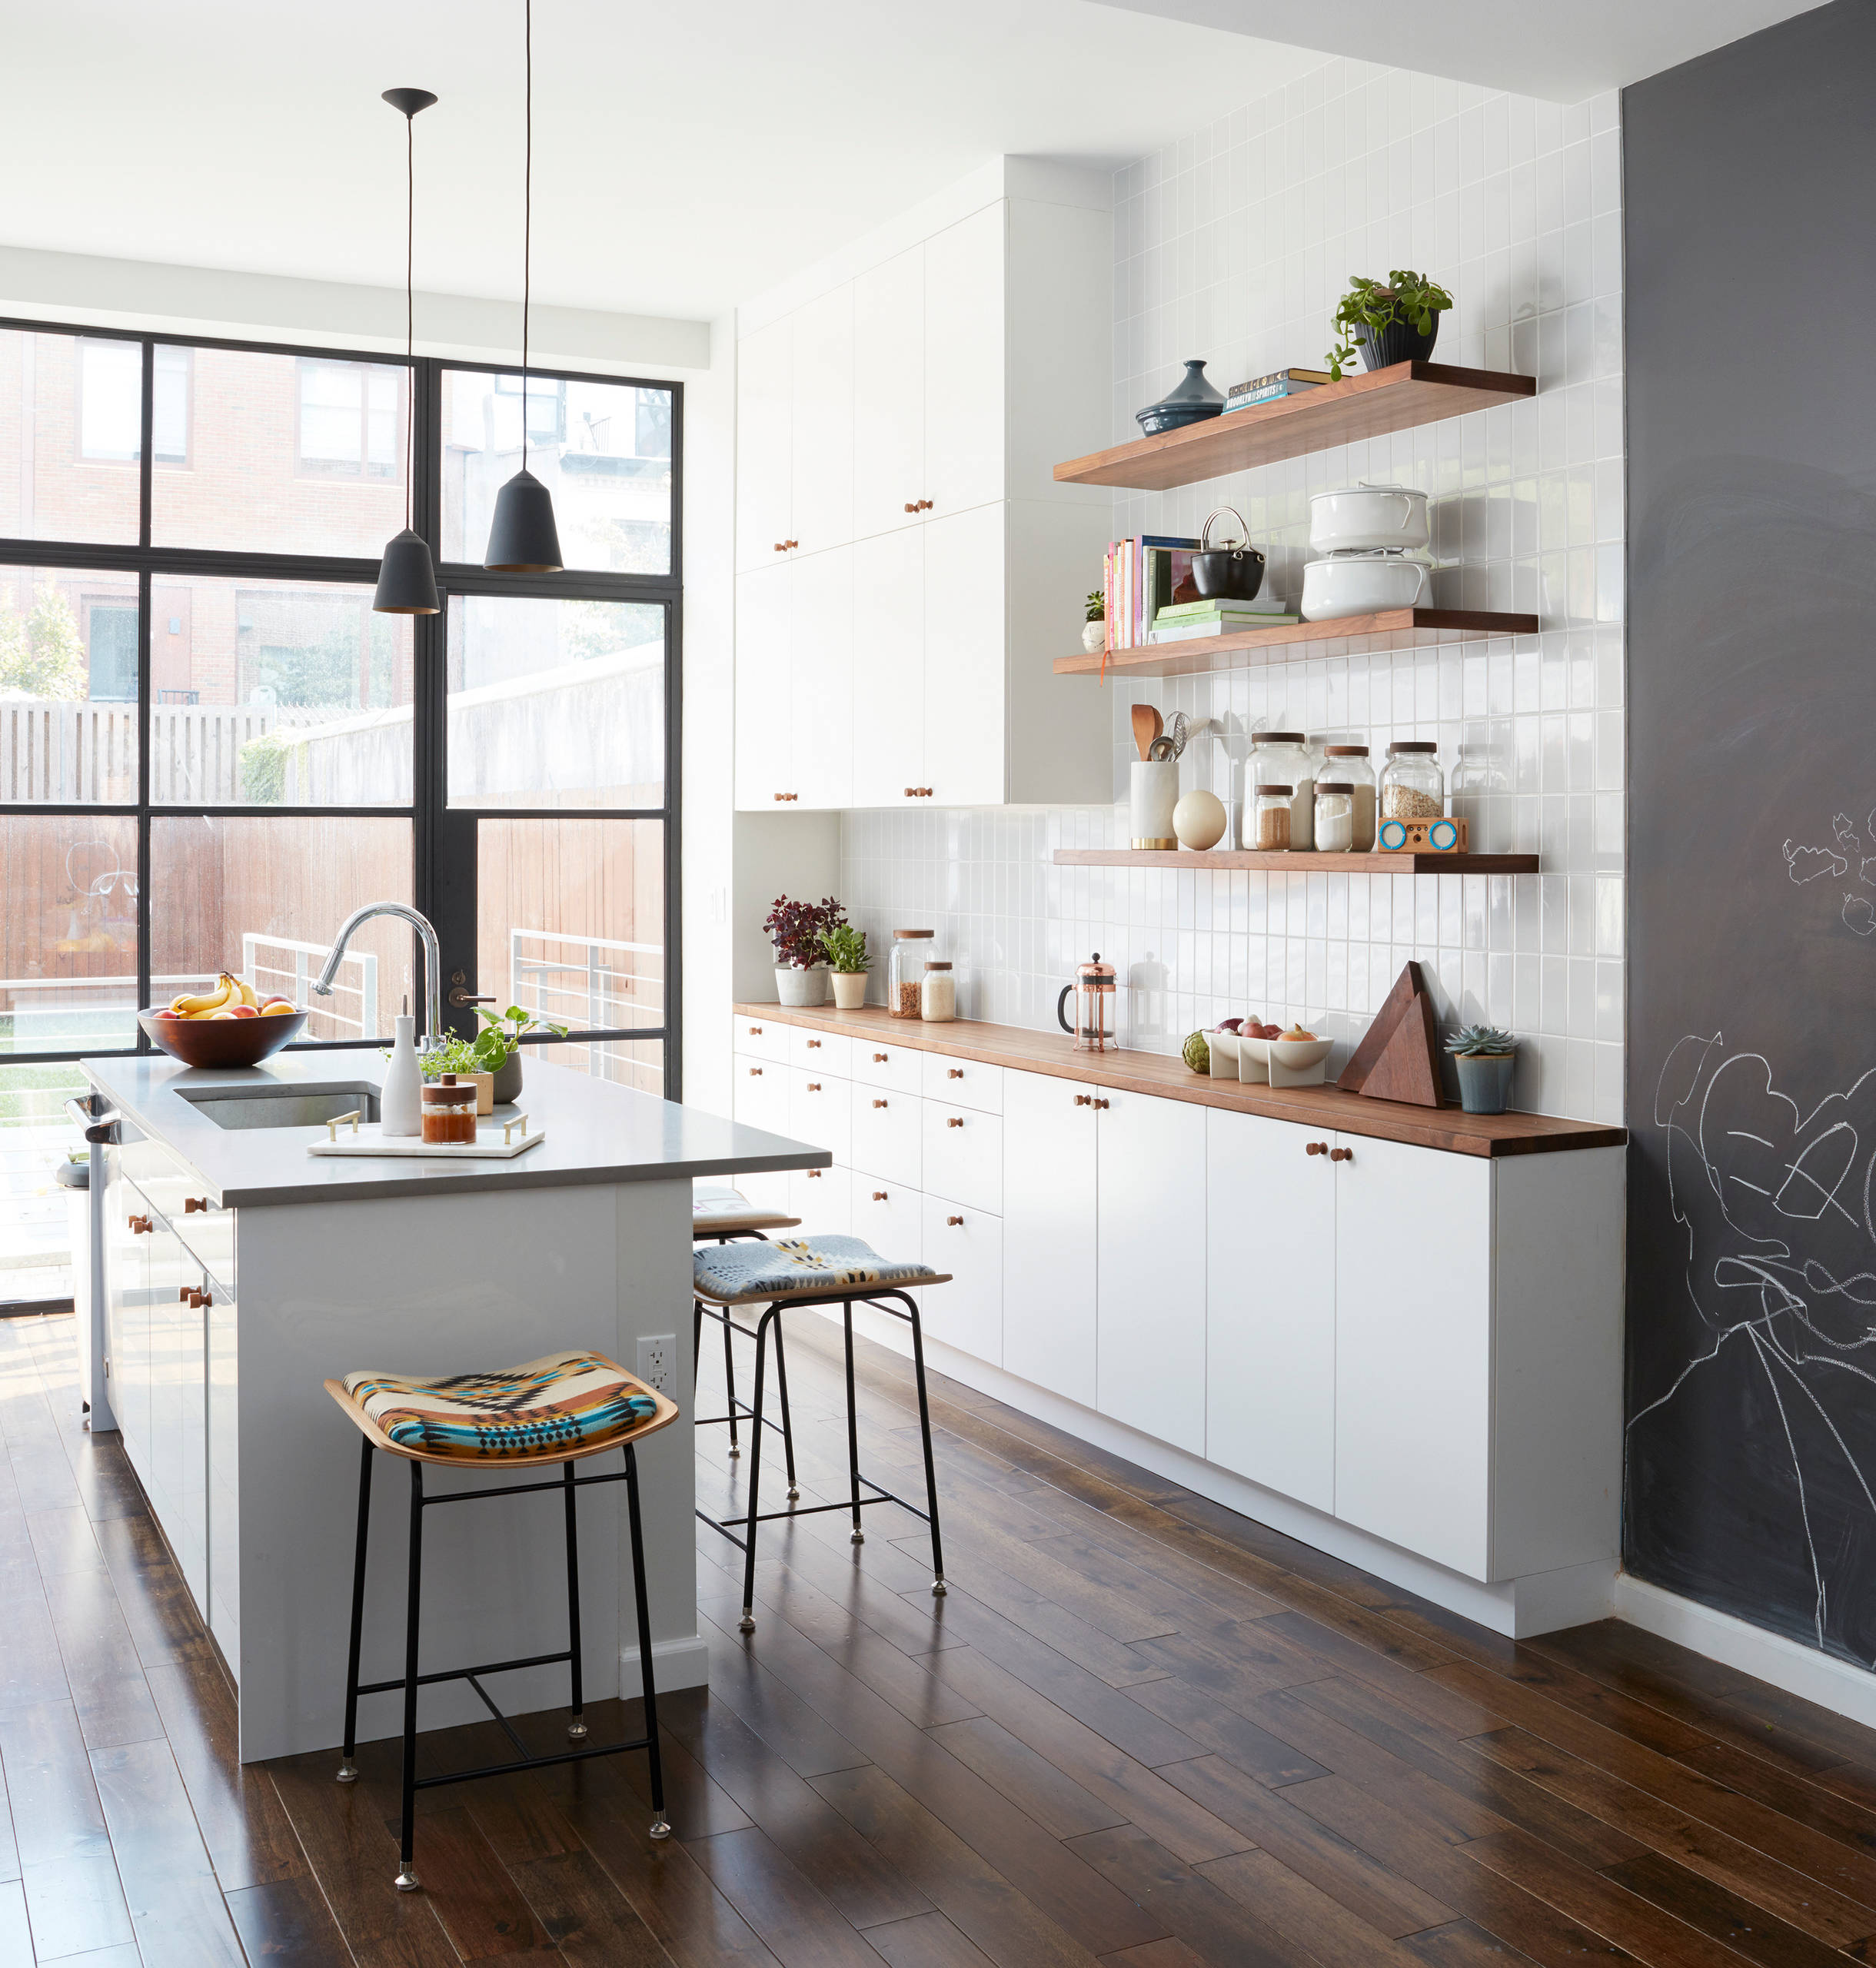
column 400, row 1104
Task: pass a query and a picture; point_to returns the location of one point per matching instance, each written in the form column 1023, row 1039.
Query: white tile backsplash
column 1236, row 241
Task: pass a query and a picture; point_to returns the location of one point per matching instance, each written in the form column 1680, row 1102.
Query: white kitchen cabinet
column 888, row 1216
column 965, row 649
column 765, row 763
column 962, row 1152
column 821, row 424
column 887, row 1133
column 820, row 723
column 1413, row 1349
column 967, row 1313
column 889, row 402
column 760, row 1087
column 1049, row 1233
column 223, row 1474
column 826, row 1051
column 168, row 1366
column 127, row 1321
column 888, row 1066
column 819, row 1197
column 820, row 1111
column 963, row 1083
column 192, row 1485
column 1150, row 1246
column 763, row 1038
column 1270, row 1304
column 888, row 692
column 963, row 367
column 765, row 459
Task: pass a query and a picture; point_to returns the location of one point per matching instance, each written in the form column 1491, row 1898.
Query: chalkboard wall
column 1750, row 195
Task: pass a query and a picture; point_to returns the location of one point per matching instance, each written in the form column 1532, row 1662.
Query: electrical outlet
column 657, row 1354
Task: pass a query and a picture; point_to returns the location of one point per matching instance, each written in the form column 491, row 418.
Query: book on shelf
column 1271, row 393
column 1223, row 625
column 1142, row 574
column 1277, row 376
column 1265, row 603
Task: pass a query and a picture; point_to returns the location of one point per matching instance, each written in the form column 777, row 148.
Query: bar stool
column 557, row 1411
column 802, row 1271
column 719, row 1211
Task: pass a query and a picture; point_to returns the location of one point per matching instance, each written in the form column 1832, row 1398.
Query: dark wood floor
column 1140, row 1731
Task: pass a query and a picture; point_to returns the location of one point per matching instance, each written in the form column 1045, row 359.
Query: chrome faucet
column 432, row 958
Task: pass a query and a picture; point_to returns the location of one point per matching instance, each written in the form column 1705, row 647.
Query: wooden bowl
column 222, row 1041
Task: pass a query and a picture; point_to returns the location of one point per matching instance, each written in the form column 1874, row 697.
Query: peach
column 246, row 1011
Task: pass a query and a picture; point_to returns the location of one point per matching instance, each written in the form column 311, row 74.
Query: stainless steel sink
column 282, row 1106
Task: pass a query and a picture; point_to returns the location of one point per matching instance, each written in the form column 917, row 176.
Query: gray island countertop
column 596, row 1132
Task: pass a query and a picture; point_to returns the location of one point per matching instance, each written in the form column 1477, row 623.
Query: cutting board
column 487, row 1146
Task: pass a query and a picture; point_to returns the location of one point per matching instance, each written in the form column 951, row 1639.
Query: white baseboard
column 681, row 1664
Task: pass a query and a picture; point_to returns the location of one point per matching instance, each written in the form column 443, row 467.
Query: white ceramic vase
column 850, row 990
column 800, row 988
column 400, row 1106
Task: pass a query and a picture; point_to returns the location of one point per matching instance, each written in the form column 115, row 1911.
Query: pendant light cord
column 410, row 309
column 528, row 206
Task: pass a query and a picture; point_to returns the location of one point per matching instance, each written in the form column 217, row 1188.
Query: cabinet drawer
column 826, row 1051
column 882, row 1062
column 887, row 1133
column 963, row 1155
column 819, row 1112
column 963, row 1083
column 761, row 1038
column 889, row 1216
column 968, row 1313
column 819, row 1197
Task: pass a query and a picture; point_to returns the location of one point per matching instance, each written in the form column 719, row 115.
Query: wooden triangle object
column 1398, row 1056
column 1409, row 985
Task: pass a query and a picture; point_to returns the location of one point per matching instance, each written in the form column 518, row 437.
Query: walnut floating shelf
column 1300, row 862
column 1365, row 406
column 1392, row 628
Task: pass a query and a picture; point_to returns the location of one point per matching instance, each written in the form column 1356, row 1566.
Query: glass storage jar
column 905, row 973
column 1270, row 816
column 1412, row 786
column 1350, row 762
column 938, row 995
column 1334, row 817
column 448, row 1107
column 1479, row 773
column 1285, row 756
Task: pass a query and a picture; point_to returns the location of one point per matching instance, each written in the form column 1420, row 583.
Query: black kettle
column 1227, row 574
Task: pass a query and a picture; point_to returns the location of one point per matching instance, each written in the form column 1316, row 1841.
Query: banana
column 246, row 992
column 203, row 1001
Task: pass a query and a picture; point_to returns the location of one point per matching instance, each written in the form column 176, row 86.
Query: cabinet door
column 127, row 1312
column 967, row 1313
column 1413, row 1348
column 889, row 394
column 888, row 668
column 818, row 1197
column 889, row 1216
column 764, row 467
column 963, row 660
column 172, row 1272
column 962, row 1154
column 820, row 1113
column 761, row 1095
column 224, row 1446
column 886, row 1133
column 1150, row 1286
column 192, row 1495
column 821, row 432
column 1270, row 1305
column 821, row 680
column 964, row 393
column 765, row 765
column 1049, row 1234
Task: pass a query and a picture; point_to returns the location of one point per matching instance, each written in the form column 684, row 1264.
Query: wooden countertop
column 1327, row 1107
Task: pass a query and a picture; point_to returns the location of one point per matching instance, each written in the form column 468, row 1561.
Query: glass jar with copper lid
column 449, row 1111
column 905, row 973
column 1093, row 1030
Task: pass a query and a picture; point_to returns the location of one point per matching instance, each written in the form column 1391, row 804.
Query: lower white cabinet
column 818, row 1197
column 963, row 1153
column 967, row 1313
column 886, row 1133
column 888, row 1216
column 1049, row 1234
column 1270, row 1299
column 760, row 1086
column 820, row 1110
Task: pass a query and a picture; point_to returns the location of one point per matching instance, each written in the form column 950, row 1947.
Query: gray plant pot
column 507, row 1088
column 1485, row 1081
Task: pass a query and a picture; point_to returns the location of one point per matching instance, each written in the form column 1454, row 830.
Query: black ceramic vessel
column 1227, row 573
column 1399, row 341
column 1189, row 401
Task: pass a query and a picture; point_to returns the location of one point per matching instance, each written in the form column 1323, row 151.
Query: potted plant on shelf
column 846, row 949
column 1396, row 322
column 1484, row 1056
column 796, row 930
column 497, row 1048
column 1094, row 629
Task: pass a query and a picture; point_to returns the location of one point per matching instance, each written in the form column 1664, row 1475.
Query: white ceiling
column 687, row 156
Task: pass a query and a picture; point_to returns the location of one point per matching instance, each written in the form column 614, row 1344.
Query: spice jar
column 1285, row 756
column 1270, row 817
column 1334, row 817
column 904, row 969
column 938, row 995
column 1350, row 762
column 448, row 1105
column 1412, row 786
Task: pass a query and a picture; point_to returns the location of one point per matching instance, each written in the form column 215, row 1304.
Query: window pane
column 276, row 694
column 68, row 933
column 264, row 897
column 49, row 488
column 275, row 459
column 571, row 920
column 555, row 703
column 68, row 686
column 35, row 1136
column 638, row 1063
column 602, row 449
column 170, row 416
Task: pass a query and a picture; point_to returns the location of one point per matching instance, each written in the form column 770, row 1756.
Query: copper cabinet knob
column 879, row 1059
column 878, row 1103
column 1315, row 1148
column 954, row 1122
column 755, row 1072
column 191, row 1204
column 924, row 505
column 755, row 1032
column 814, row 1086
column 910, row 508
column 814, row 1045
column 814, row 1174
column 184, row 1294
column 878, row 1195
column 1100, row 1103
column 139, row 1226
column 781, row 547
column 954, row 1073
column 1342, row 1155
column 791, row 542
column 954, row 1220
column 198, row 1299
column 1084, row 1100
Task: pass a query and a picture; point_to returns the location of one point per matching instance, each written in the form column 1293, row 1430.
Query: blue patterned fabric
column 553, row 1406
column 789, row 1265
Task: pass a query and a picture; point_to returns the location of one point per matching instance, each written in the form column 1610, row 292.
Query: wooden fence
column 67, row 754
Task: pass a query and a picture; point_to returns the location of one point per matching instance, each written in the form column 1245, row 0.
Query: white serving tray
column 496, row 1141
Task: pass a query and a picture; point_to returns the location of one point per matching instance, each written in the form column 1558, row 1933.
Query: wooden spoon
column 1147, row 726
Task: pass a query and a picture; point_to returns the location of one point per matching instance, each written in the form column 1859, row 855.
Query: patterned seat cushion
column 551, row 1406
column 786, row 1265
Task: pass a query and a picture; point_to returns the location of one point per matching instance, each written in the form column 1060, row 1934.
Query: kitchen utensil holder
column 1152, row 793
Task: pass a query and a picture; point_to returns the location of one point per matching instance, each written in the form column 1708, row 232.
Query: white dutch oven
column 1362, row 584
column 1368, row 519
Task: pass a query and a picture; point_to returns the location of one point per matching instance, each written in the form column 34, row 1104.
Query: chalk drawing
column 1811, row 864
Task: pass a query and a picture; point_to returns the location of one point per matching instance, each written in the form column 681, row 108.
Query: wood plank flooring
column 1140, row 1731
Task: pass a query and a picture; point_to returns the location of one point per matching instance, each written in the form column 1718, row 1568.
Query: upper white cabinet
column 893, row 420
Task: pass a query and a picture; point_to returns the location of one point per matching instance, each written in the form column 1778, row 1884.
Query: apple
column 166, row 1013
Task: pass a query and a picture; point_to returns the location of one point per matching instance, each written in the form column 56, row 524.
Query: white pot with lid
column 1366, row 519
column 1362, row 584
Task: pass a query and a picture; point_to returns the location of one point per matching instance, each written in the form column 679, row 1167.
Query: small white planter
column 1094, row 637
column 800, row 988
column 850, row 990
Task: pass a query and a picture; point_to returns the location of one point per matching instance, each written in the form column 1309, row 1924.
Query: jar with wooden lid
column 1350, row 763
column 449, row 1111
column 1270, row 816
column 1412, row 786
column 1334, row 817
column 1285, row 756
column 938, row 994
column 905, row 973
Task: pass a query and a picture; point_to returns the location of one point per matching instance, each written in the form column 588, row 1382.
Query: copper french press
column 1093, row 987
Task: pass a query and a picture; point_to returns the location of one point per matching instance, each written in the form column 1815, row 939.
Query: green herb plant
column 1480, row 1042
column 500, row 1039
column 1097, row 606
column 446, row 1054
column 1408, row 297
column 846, row 949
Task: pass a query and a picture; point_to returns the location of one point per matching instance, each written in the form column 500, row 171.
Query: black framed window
column 212, row 749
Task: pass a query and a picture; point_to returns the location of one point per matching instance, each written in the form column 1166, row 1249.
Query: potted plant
column 448, row 1054
column 796, row 930
column 1396, row 322
column 846, row 949
column 1094, row 629
column 497, row 1048
column 1484, row 1056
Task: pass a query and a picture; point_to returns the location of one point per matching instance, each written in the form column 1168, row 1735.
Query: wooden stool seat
column 719, row 1211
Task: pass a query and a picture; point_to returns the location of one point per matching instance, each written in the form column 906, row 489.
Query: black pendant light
column 522, row 537
column 406, row 580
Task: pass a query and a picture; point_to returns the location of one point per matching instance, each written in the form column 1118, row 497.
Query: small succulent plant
column 1096, row 605
column 1477, row 1041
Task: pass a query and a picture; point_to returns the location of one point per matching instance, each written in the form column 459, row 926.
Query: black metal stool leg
column 747, row 1623
column 729, row 1383
column 925, row 1435
column 858, row 1536
column 406, row 1880
column 696, row 1344
column 788, row 1425
column 348, row 1769
column 661, row 1824
column 577, row 1728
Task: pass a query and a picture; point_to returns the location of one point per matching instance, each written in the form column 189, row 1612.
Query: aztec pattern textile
column 551, row 1407
column 797, row 1263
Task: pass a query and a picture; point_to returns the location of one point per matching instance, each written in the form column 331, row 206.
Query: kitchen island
column 240, row 1272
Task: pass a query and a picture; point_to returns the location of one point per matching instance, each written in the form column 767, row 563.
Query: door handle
column 1315, row 1148
column 878, row 1103
column 1102, row 1103
column 878, row 1195
column 1342, row 1155
column 954, row 1073
column 139, row 1226
column 1084, row 1100
column 954, row 1122
column 191, row 1204
column 460, row 994
column 954, row 1220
